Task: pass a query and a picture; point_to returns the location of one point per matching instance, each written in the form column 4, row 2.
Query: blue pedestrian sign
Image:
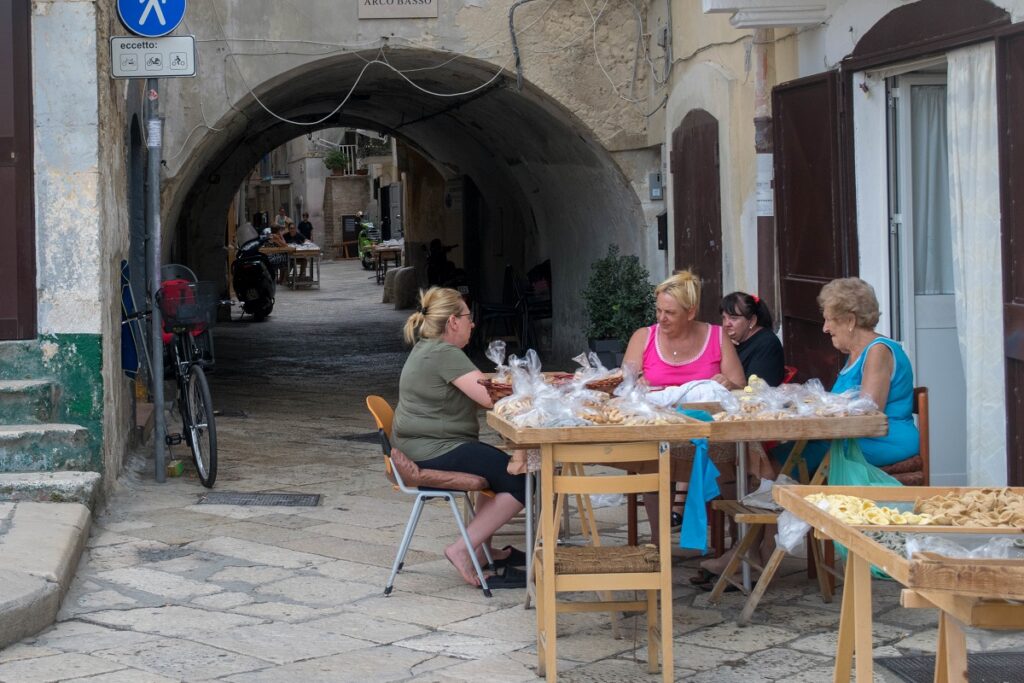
column 151, row 18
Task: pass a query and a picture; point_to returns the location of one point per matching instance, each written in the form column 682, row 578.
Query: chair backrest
column 921, row 410
column 643, row 457
column 789, row 374
column 383, row 415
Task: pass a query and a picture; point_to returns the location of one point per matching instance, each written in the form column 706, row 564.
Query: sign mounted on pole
column 134, row 57
column 151, row 18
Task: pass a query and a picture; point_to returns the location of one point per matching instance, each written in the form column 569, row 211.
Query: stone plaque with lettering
column 397, row 9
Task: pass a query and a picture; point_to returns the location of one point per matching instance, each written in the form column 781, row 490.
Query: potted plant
column 337, row 161
column 618, row 299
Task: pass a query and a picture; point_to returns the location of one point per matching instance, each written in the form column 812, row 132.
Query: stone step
column 40, row 545
column 26, row 400
column 21, row 360
column 42, row 447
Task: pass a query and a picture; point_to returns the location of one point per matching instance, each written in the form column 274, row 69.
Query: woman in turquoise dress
column 875, row 365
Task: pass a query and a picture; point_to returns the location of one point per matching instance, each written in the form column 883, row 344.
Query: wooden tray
column 1001, row 579
column 797, row 428
column 692, row 429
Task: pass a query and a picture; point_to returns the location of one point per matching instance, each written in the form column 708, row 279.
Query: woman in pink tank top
column 678, row 349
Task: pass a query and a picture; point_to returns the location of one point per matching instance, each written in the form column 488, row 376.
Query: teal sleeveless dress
column 902, row 440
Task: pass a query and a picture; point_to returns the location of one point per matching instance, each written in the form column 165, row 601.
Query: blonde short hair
column 437, row 304
column 684, row 287
column 851, row 296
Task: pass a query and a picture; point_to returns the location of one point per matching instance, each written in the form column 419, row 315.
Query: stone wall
column 343, row 196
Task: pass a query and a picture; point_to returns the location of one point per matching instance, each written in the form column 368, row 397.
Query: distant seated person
column 305, row 227
column 875, row 365
column 439, row 269
column 279, row 262
column 293, row 236
column 748, row 324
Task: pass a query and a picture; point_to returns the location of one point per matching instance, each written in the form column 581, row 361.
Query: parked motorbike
column 253, row 279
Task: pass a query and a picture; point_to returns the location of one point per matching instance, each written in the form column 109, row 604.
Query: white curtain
column 977, row 256
column 933, row 262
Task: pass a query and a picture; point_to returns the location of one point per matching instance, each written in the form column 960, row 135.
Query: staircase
column 36, row 434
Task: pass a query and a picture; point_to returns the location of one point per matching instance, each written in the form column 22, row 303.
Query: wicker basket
column 496, row 390
column 607, row 385
column 606, row 559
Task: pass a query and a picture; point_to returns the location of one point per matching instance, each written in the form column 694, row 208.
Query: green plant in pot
column 619, row 300
column 336, row 160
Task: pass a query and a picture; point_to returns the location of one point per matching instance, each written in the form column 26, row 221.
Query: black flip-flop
column 510, row 578
column 706, row 587
column 703, row 576
column 516, row 558
column 677, row 520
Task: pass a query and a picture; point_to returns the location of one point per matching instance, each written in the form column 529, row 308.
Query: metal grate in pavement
column 270, row 499
column 983, row 667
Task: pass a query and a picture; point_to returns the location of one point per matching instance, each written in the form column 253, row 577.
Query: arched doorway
column 697, row 201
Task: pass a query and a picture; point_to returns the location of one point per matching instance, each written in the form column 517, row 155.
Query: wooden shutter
column 1010, row 89
column 17, row 226
column 697, row 206
column 816, row 242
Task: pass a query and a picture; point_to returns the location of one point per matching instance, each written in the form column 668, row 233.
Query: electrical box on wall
column 654, row 181
column 663, row 232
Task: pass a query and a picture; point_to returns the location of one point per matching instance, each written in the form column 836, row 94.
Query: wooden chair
column 913, row 471
column 602, row 568
column 383, row 415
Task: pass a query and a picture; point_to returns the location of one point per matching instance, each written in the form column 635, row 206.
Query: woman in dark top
column 747, row 322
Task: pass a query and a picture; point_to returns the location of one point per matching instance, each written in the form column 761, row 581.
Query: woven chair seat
column 619, row 559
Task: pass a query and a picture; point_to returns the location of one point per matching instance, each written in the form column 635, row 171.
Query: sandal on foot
column 677, row 520
column 516, row 558
column 510, row 578
column 708, row 587
column 703, row 576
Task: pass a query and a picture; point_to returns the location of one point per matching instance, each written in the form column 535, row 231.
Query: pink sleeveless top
column 660, row 372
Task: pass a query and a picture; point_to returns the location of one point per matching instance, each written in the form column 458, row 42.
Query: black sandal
column 510, row 578
column 516, row 558
column 703, row 577
column 677, row 520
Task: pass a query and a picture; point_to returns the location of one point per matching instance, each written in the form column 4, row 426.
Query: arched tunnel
column 546, row 188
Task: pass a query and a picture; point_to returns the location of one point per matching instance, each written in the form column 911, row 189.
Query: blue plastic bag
column 703, row 487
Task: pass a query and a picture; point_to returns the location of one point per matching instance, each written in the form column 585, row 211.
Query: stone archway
column 560, row 193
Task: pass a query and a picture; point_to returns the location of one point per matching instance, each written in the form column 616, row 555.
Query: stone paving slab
column 168, row 590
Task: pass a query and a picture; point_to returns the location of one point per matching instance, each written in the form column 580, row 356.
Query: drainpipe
column 154, row 143
column 767, row 271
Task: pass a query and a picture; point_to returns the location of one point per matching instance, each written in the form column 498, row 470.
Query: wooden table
column 983, row 593
column 311, row 259
column 739, row 432
column 381, row 257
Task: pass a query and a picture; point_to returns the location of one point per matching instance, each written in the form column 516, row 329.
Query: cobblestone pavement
column 172, row 590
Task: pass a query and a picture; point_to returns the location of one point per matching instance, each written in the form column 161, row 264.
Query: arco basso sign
column 397, row 9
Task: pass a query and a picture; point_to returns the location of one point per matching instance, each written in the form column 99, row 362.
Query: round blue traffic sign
column 151, row 18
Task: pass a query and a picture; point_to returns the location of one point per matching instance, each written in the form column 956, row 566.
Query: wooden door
column 17, row 223
column 696, row 194
column 1010, row 90
column 816, row 243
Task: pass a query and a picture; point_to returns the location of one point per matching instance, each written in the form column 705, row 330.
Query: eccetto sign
column 397, row 9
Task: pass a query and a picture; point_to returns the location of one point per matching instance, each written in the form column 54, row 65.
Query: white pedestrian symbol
column 153, row 6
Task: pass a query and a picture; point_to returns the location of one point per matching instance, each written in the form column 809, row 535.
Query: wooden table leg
column 863, row 642
column 844, row 648
column 951, row 656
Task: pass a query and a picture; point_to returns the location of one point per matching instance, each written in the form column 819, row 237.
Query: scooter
column 369, row 236
column 253, row 280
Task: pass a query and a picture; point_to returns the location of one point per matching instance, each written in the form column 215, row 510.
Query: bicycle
column 189, row 308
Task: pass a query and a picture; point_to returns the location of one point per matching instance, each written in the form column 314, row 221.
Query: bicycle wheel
column 200, row 425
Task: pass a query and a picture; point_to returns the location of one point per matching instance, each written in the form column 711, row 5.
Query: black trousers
column 483, row 460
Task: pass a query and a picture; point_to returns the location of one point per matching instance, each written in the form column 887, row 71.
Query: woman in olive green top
column 436, row 419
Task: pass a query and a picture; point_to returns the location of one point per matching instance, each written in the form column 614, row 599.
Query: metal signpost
column 148, row 56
